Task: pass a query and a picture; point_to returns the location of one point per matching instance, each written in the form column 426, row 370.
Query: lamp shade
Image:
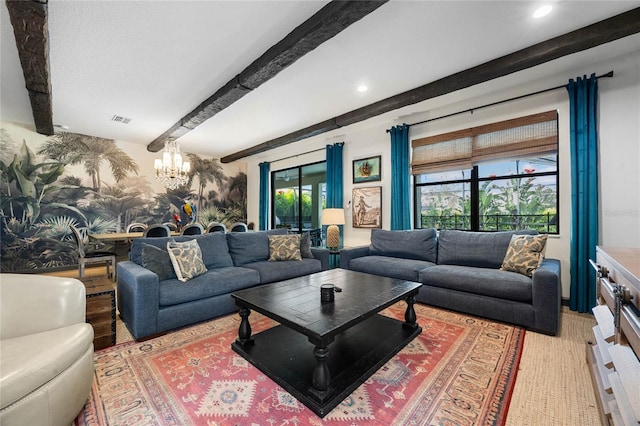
column 333, row 217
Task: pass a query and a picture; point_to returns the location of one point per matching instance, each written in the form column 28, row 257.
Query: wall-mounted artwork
column 367, row 207
column 366, row 170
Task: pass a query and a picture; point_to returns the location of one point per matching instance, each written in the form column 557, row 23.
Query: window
column 503, row 176
column 298, row 196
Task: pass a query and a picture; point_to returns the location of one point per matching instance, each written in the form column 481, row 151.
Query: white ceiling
column 154, row 61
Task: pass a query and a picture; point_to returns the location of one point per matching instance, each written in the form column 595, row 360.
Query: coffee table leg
column 410, row 314
column 321, row 375
column 244, row 331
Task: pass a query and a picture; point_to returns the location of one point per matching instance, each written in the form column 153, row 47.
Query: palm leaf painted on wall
column 91, row 152
column 207, row 171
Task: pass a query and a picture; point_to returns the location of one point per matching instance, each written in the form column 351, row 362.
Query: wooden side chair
column 159, row 230
column 136, row 227
column 90, row 257
column 239, row 227
column 216, row 227
column 193, row 229
column 172, row 226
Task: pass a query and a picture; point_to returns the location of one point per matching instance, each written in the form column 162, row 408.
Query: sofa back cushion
column 249, row 247
column 215, row 252
column 418, row 244
column 479, row 249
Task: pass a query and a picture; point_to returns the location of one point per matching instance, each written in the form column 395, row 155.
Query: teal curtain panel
column 583, row 110
column 264, row 197
column 334, row 176
column 400, row 191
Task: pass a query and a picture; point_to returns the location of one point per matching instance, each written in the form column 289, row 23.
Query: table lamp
column 333, row 217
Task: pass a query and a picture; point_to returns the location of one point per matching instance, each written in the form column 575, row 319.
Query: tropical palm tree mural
column 40, row 200
column 207, row 171
column 91, row 152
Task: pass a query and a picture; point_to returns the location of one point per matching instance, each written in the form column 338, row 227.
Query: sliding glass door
column 297, row 198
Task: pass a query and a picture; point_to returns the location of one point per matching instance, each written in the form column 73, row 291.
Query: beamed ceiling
column 235, row 79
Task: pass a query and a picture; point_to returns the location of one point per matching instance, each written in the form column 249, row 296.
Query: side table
column 101, row 310
column 334, row 256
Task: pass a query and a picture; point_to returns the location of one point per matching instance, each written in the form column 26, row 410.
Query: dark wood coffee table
column 322, row 352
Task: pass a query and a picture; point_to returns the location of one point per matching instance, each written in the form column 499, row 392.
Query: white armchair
column 46, row 350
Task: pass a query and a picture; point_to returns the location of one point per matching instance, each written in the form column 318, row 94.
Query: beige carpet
column 553, row 385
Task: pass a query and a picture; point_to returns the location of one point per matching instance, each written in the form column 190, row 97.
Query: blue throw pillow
column 305, row 245
column 158, row 261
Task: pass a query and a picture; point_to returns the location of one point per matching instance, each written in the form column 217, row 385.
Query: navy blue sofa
column 460, row 271
column 234, row 261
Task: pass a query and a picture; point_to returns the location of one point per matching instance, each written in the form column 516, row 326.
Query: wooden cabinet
column 613, row 354
column 101, row 311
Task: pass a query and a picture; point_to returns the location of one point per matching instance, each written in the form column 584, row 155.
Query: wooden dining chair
column 90, row 257
column 159, row 230
column 136, row 227
column 239, row 227
column 193, row 229
column 172, row 226
column 216, row 227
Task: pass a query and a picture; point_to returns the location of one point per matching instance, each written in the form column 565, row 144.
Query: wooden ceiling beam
column 30, row 28
column 614, row 28
column 323, row 25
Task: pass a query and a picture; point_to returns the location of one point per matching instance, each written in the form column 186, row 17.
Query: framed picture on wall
column 367, row 207
column 366, row 169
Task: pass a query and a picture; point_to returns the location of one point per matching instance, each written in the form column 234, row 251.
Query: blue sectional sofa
column 154, row 302
column 460, row 271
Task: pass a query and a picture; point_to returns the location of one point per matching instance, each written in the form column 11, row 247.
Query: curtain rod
column 304, row 153
column 609, row 74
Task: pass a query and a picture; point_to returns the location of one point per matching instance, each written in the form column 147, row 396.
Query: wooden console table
column 613, row 355
column 101, row 310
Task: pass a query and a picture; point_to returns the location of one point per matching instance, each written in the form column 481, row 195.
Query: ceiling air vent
column 121, row 119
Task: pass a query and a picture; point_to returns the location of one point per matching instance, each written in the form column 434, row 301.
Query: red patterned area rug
column 460, row 371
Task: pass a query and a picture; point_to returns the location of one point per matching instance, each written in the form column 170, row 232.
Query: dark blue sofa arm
column 322, row 254
column 547, row 294
column 351, row 253
column 138, row 298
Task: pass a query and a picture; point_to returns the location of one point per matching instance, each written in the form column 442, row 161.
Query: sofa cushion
column 215, row 251
column 277, row 271
column 186, row 258
column 158, row 261
column 213, row 246
column 284, row 247
column 484, row 281
column 525, row 254
column 479, row 249
column 394, row 267
column 135, row 255
column 419, row 244
column 212, row 283
column 248, row 247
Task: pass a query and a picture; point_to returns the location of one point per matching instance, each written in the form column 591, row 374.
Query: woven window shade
column 531, row 135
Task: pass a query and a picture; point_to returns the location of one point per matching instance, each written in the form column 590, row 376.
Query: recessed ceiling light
column 542, row 11
column 362, row 88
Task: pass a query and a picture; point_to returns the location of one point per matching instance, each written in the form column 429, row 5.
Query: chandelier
column 171, row 171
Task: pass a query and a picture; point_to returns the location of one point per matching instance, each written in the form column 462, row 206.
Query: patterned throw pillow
column 284, row 247
column 525, row 254
column 186, row 258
